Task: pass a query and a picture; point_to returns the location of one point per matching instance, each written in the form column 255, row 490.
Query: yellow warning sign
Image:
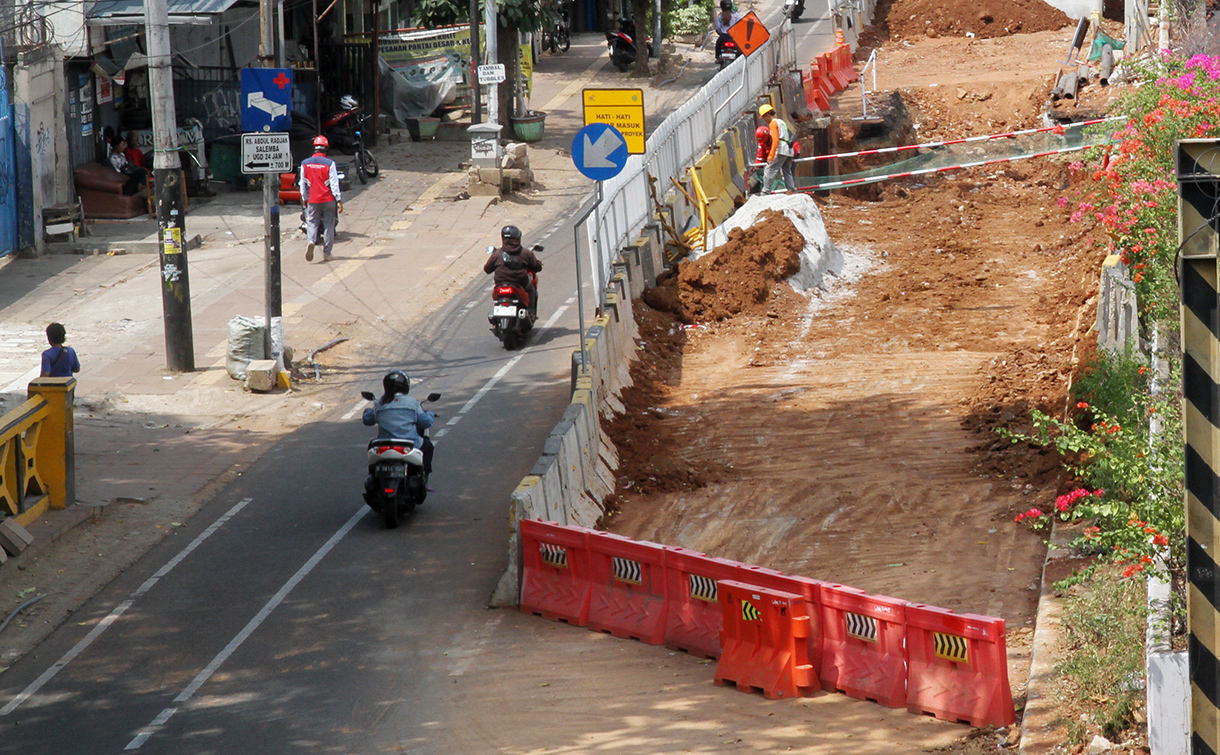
column 951, row 647
column 749, row 612
column 621, row 108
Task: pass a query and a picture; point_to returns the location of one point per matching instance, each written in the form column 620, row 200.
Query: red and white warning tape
column 926, row 171
column 965, row 140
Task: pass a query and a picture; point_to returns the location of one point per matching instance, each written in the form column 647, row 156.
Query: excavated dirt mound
column 986, row 19
column 738, row 276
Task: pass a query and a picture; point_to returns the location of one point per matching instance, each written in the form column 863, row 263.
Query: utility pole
column 273, row 337
column 375, row 105
column 475, row 86
column 170, row 194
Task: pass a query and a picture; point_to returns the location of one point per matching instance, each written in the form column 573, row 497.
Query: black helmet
column 510, row 232
column 726, row 5
column 395, row 381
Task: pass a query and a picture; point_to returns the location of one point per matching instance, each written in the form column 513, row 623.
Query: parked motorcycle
column 622, row 45
column 793, row 9
column 511, row 316
column 397, row 467
column 346, row 130
column 726, row 51
column 559, row 38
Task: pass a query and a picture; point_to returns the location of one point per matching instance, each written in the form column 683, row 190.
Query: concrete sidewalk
column 153, row 446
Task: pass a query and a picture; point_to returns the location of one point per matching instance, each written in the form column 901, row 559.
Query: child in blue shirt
column 59, row 360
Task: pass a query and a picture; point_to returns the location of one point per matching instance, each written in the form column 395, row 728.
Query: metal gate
column 8, row 170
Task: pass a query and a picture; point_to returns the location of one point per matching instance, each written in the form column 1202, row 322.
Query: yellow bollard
column 55, row 453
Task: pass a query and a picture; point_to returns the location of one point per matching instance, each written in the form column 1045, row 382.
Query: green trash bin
column 225, row 161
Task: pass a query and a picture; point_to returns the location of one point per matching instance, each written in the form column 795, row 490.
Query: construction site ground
column 849, row 435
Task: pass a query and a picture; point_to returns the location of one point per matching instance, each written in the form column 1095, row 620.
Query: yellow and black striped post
column 1198, row 170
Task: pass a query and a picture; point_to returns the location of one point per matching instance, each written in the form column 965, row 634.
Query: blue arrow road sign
column 266, row 99
column 599, row 151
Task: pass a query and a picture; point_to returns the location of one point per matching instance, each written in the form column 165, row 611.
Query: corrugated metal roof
column 103, row 8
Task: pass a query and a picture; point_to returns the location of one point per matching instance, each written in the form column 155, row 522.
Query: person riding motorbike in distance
column 512, row 264
column 724, row 21
column 399, row 415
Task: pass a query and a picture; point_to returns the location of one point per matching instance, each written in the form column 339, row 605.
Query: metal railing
column 626, row 205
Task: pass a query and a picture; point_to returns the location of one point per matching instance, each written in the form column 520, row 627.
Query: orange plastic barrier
column 809, row 589
column 828, row 67
column 627, row 597
column 764, row 641
column 555, row 571
column 821, row 81
column 843, row 54
column 863, row 653
column 815, row 98
column 957, row 667
column 694, row 620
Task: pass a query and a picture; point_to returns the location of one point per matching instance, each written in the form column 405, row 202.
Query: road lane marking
column 497, row 377
column 266, row 610
column 118, row 611
column 151, row 729
column 352, row 412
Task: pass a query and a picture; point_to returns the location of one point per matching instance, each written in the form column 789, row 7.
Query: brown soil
column 738, row 277
column 985, row 19
column 849, row 436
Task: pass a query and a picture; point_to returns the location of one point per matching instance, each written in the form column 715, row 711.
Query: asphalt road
column 284, row 617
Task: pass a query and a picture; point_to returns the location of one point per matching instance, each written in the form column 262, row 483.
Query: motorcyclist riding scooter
column 724, row 21
column 400, row 418
column 516, row 274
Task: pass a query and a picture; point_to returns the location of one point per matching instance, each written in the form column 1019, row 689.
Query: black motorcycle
column 622, row 45
column 726, row 51
column 366, row 164
column 397, row 470
column 559, row 38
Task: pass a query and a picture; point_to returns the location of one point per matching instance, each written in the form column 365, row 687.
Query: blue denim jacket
column 402, row 417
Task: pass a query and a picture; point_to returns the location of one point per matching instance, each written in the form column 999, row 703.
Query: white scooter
column 397, row 468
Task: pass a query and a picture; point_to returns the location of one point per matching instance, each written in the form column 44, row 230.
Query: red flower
column 1082, row 405
column 1160, row 540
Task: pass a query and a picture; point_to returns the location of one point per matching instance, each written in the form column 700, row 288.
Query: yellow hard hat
column 765, row 109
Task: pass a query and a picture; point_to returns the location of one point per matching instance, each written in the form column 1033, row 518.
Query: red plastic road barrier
column 809, row 589
column 843, row 53
column 764, row 641
column 815, row 98
column 627, row 597
column 694, row 619
column 821, row 80
column 828, row 66
column 555, row 571
column 957, row 667
column 863, row 653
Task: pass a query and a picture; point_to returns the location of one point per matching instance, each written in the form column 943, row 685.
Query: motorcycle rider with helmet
column 723, row 21
column 399, row 415
column 512, row 264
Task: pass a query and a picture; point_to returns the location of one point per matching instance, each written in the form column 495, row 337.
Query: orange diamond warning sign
column 749, row 33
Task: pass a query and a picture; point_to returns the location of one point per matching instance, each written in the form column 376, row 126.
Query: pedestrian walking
column 323, row 201
column 59, row 360
column 779, row 160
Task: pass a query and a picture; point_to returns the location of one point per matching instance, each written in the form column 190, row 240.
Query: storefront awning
column 125, row 12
